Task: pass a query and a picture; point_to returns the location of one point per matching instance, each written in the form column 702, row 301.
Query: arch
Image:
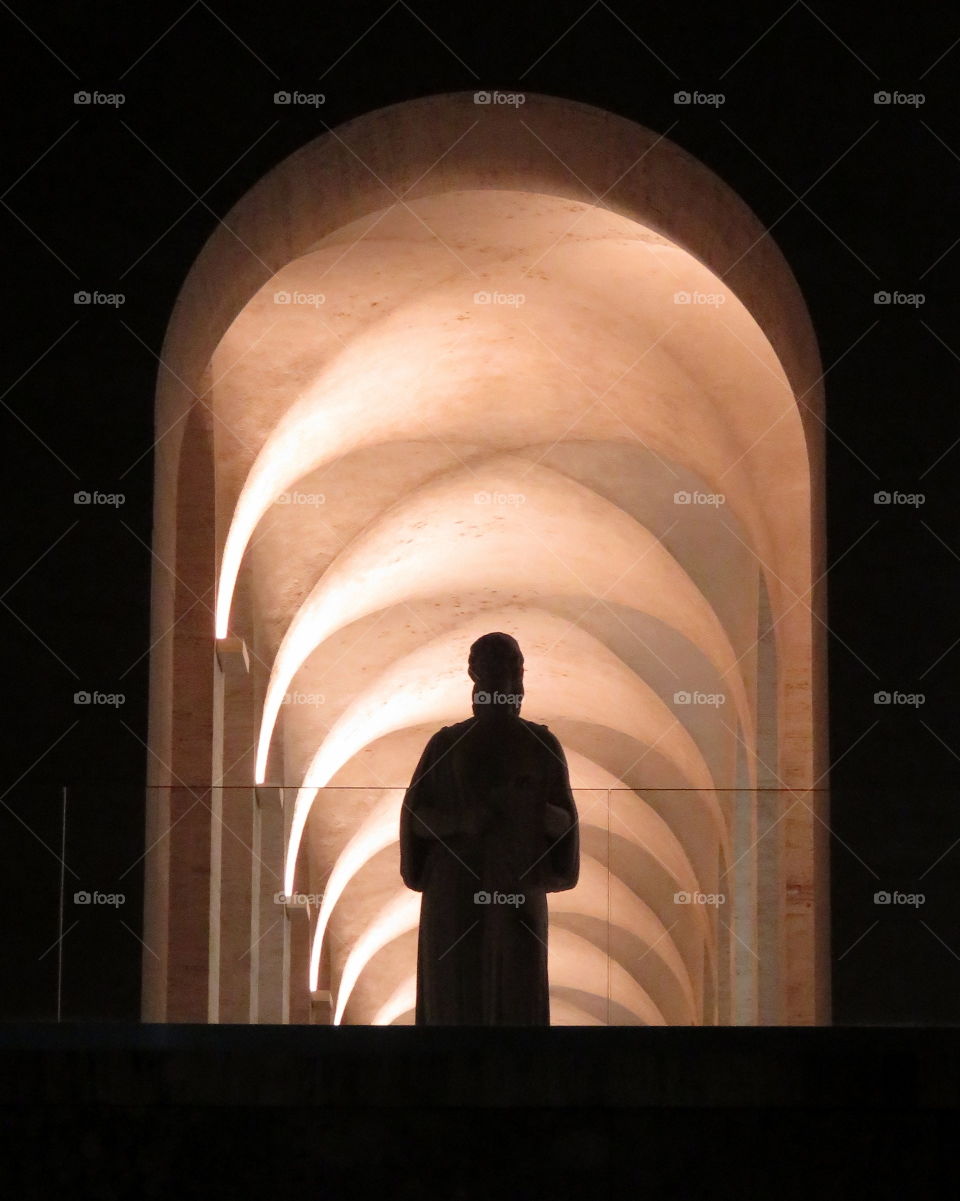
column 672, row 989
column 565, row 537
column 630, row 821
column 728, row 398
column 571, row 678
column 576, row 966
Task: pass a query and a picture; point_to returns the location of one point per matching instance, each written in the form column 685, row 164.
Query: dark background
column 860, row 198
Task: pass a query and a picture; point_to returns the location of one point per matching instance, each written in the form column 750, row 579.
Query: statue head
column 496, row 668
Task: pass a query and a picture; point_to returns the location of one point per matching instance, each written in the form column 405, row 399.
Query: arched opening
column 550, row 376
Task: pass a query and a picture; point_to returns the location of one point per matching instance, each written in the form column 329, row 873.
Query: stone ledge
column 404, row 1067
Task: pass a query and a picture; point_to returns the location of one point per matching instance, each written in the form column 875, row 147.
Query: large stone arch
column 635, row 197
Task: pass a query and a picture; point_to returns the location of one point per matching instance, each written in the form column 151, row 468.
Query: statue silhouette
column 488, row 827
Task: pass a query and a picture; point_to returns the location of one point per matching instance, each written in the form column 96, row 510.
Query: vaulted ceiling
column 501, row 410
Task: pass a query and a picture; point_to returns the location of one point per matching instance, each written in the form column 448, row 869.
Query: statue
column 488, row 827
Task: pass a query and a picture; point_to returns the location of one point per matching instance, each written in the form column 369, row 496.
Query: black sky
column 860, row 197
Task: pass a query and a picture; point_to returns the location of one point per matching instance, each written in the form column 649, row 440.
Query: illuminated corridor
column 452, row 369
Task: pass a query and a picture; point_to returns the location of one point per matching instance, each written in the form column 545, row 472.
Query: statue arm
column 415, row 814
column 561, row 824
column 432, row 810
column 558, row 820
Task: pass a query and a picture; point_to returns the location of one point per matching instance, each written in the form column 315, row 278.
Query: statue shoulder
column 544, row 733
column 452, row 731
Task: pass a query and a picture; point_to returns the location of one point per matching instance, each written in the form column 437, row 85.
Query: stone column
column 772, row 802
column 743, row 911
column 234, row 835
column 298, row 922
column 216, row 840
column 188, row 831
column 268, row 927
column 272, row 926
column 253, row 953
column 725, row 971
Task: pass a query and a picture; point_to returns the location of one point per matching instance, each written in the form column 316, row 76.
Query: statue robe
column 488, row 827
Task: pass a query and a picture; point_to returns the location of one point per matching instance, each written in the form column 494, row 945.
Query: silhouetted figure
column 488, row 828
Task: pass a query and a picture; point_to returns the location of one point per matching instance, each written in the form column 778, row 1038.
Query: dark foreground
column 295, row 1112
